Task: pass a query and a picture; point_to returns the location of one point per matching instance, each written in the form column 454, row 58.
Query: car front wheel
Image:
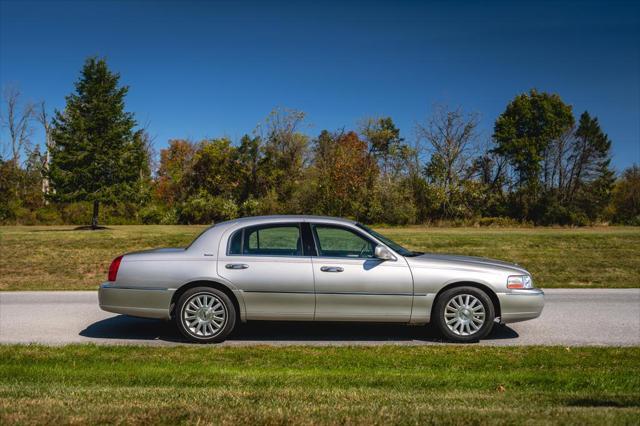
column 464, row 314
column 205, row 315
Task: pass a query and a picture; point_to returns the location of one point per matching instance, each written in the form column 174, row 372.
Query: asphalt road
column 571, row 318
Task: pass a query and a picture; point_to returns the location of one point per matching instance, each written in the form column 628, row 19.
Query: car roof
column 215, row 231
column 287, row 218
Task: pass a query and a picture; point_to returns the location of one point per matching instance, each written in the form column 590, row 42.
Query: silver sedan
column 309, row 268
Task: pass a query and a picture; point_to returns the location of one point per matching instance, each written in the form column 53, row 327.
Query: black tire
column 195, row 294
column 440, row 320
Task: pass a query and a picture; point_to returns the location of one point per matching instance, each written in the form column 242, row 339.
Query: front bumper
column 138, row 302
column 521, row 305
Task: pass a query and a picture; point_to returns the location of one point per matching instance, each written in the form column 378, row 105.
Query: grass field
column 321, row 385
column 59, row 258
column 302, row 385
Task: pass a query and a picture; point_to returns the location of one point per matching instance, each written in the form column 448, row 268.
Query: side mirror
column 383, row 253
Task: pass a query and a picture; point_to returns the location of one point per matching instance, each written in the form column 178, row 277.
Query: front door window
column 340, row 242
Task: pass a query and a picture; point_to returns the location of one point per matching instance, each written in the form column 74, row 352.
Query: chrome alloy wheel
column 204, row 315
column 464, row 314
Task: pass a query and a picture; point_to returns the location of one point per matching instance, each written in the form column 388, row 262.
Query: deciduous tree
column 214, row 169
column 523, row 134
column 175, row 164
column 450, row 135
column 346, row 173
column 285, row 153
column 386, row 145
column 626, row 197
column 250, row 176
column 526, row 128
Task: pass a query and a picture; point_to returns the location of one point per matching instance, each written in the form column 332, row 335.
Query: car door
column 351, row 284
column 269, row 264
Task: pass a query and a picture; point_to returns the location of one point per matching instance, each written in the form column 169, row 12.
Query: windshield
column 392, row 244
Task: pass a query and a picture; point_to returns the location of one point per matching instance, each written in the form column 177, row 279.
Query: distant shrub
column 206, row 208
column 250, row 207
column 152, row 214
column 25, row 216
column 120, row 214
column 391, row 204
column 9, row 211
column 76, row 213
column 170, row 217
column 498, row 222
column 48, row 216
column 155, row 214
column 579, row 219
column 265, row 205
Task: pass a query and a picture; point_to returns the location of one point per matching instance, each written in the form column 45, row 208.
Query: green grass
column 59, row 258
column 305, row 385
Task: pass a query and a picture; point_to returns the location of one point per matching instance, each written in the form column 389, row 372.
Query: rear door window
column 267, row 240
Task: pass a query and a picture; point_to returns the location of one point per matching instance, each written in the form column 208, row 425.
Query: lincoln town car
column 310, row 268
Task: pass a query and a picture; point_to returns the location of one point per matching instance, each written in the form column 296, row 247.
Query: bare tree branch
column 17, row 121
column 451, row 135
column 451, row 139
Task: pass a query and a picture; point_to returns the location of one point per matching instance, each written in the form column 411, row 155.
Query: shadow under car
column 122, row 327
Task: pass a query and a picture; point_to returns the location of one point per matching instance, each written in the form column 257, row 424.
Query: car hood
column 457, row 261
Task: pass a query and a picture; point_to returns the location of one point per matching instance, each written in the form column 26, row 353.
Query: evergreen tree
column 96, row 155
column 591, row 177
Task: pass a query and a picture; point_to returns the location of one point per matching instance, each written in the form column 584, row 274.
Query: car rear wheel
column 464, row 314
column 205, row 315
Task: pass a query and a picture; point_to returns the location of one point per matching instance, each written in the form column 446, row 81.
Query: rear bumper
column 521, row 305
column 137, row 302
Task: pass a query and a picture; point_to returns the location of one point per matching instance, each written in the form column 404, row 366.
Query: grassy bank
column 59, row 258
column 374, row 385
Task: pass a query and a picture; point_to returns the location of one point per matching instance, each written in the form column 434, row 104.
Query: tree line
column 542, row 165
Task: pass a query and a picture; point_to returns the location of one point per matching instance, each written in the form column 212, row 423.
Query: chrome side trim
column 525, row 292
column 124, row 287
column 340, row 293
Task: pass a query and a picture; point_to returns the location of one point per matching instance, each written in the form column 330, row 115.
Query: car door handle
column 236, row 266
column 331, row 269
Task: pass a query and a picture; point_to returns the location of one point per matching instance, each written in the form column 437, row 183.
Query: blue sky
column 207, row 69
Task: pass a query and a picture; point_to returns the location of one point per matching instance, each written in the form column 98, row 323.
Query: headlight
column 519, row 281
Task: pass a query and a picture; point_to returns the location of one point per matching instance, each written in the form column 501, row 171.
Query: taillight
column 113, row 269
